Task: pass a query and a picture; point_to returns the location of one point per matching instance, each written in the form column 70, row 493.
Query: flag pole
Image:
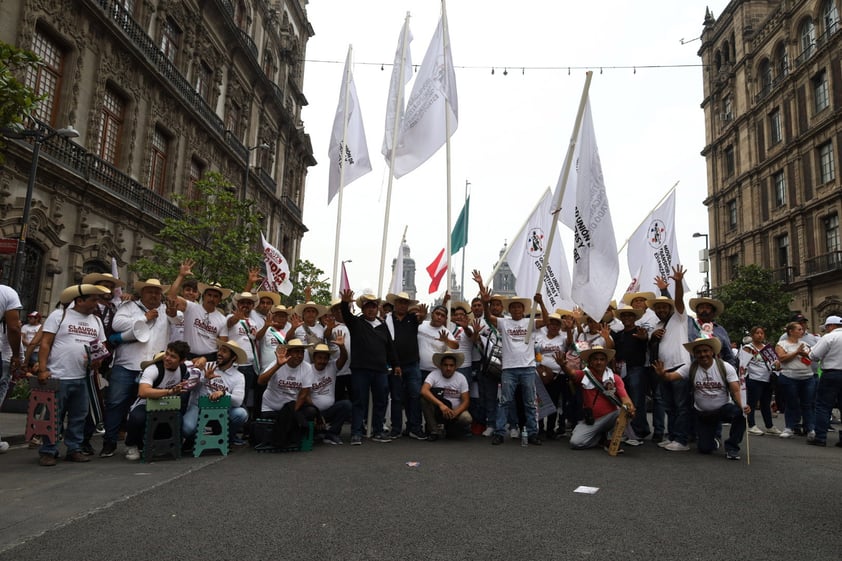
column 396, row 129
column 335, row 279
column 465, row 247
column 671, row 189
column 445, row 38
column 574, row 138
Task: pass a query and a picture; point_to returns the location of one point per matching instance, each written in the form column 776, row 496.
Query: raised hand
column 347, row 295
column 678, row 273
column 186, row 267
column 661, row 282
column 477, row 276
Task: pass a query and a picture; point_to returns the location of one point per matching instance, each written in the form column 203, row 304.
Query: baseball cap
column 833, row 320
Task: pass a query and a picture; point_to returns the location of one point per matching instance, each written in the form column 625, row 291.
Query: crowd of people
column 495, row 367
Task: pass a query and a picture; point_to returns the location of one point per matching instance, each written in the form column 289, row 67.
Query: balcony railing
column 249, row 42
column 266, row 180
column 805, row 54
column 785, row 275
column 291, row 206
column 828, row 262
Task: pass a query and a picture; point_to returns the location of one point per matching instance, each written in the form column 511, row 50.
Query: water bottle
column 524, row 437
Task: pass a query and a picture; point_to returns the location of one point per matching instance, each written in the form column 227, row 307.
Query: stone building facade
column 773, row 126
column 160, row 91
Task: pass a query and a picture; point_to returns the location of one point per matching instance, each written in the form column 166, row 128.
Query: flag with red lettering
column 277, row 268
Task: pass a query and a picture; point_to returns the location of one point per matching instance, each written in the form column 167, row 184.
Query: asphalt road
column 466, row 500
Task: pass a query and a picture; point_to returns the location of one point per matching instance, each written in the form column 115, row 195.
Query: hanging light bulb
column 492, row 71
column 506, row 72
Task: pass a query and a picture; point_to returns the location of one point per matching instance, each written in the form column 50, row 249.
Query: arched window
column 717, row 60
column 830, row 17
column 807, row 35
column 726, row 51
column 241, row 17
column 781, row 61
column 765, row 74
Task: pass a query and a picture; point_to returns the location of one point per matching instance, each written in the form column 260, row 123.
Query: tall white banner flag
column 652, row 249
column 277, row 269
column 423, row 129
column 395, row 103
column 397, row 273
column 526, row 257
column 595, row 262
column 348, row 147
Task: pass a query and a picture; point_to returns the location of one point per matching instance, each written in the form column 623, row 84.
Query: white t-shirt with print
column 242, row 333
column 202, row 329
column 453, row 387
column 68, row 359
column 548, row 348
column 323, row 390
column 709, row 393
column 517, row 352
column 285, row 384
column 429, row 344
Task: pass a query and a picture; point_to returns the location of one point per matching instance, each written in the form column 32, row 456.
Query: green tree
column 17, row 101
column 754, row 298
column 306, row 274
column 217, row 230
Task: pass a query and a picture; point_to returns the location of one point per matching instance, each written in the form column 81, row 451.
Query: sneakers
column 732, row 456
column 488, row 431
column 76, row 456
column 87, row 449
column 381, row 437
column 394, row 435
column 633, row 442
column 676, row 446
column 535, row 440
column 47, row 460
column 664, row 443
column 773, row 430
column 755, row 430
column 332, row 439
column 108, row 449
column 811, row 436
column 3, row 446
column 417, row 435
column 356, row 440
column 496, row 440
column 787, row 433
column 237, row 441
column 132, row 453
column 514, row 433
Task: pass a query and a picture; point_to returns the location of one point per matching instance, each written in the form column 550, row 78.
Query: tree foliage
column 17, row 101
column 754, row 298
column 217, row 230
column 306, row 274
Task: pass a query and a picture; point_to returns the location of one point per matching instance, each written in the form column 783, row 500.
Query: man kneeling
column 287, row 400
column 446, row 397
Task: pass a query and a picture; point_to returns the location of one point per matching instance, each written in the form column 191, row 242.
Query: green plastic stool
column 212, row 411
column 162, row 412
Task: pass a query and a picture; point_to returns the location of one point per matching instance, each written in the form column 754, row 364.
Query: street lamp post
column 39, row 136
column 706, row 261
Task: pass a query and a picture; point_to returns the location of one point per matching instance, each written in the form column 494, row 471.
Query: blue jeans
column 488, row 399
column 405, row 393
column 337, row 415
column 237, row 417
column 708, row 423
column 800, row 401
column 762, row 392
column 511, row 379
column 676, row 398
column 122, row 391
column 636, row 385
column 363, row 381
column 71, row 400
column 827, row 396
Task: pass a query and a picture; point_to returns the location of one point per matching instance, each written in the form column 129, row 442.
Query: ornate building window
column 782, row 251
column 241, row 15
column 775, row 128
column 830, row 17
column 781, row 61
column 779, row 182
column 233, row 119
column 827, row 169
column 268, row 64
column 170, row 39
column 765, row 72
column 821, row 98
column 807, row 36
column 110, row 127
column 733, row 266
column 732, row 214
column 204, row 81
column 45, row 78
column 158, row 161
column 730, row 162
column 831, row 233
column 197, row 170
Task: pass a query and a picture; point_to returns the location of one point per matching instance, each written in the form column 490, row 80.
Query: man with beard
column 323, row 393
column 707, row 310
column 240, row 329
column 405, row 390
column 203, row 323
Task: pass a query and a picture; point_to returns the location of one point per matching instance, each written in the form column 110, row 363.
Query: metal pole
column 17, row 270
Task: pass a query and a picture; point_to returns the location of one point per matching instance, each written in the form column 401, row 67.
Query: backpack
column 160, row 377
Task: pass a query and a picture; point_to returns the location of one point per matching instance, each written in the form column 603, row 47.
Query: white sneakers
column 675, row 446
column 514, row 433
column 132, row 453
column 755, row 431
column 773, row 430
column 787, row 433
column 3, row 446
column 488, row 431
column 664, row 443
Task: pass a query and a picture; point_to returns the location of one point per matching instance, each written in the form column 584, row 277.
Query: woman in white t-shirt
column 758, row 373
column 797, row 381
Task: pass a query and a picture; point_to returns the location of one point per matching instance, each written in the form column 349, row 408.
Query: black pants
column 289, row 424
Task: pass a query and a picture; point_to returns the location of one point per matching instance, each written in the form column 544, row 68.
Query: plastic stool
column 42, row 395
column 264, row 427
column 160, row 413
column 210, row 411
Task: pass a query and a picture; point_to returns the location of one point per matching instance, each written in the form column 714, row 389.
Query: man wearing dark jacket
column 372, row 351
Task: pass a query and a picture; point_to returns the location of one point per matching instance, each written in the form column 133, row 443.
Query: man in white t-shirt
column 10, row 307
column 666, row 344
column 275, row 332
column 445, row 397
column 163, row 376
column 310, row 331
column 203, row 323
column 335, row 327
column 240, row 329
column 518, row 359
column 712, row 380
column 334, row 411
column 287, row 397
column 68, row 336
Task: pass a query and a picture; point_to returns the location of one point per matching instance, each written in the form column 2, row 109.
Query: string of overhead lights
column 506, row 69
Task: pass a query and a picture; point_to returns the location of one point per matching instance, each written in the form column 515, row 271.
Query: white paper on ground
column 586, row 490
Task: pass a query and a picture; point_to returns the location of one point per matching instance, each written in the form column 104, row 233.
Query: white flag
column 277, row 269
column 526, row 257
column 347, row 143
column 652, row 249
column 595, row 263
column 423, row 129
column 394, row 106
column 397, row 273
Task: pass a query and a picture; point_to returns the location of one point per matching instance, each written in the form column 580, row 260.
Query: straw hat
column 274, row 296
column 246, row 296
column 712, row 342
column 294, row 344
column 153, row 283
column 437, row 358
column 238, row 351
column 280, row 308
column 628, row 297
column 628, row 310
column 366, row 299
column 319, row 348
column 225, row 292
column 70, row 293
column 320, row 310
column 662, row 300
column 93, row 278
column 507, row 302
column 461, row 305
column 159, row 356
column 561, row 312
column 391, row 297
column 586, row 354
column 718, row 306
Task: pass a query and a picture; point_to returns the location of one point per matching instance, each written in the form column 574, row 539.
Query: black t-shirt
column 630, row 349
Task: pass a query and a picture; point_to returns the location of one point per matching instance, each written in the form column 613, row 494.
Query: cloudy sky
column 514, row 125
